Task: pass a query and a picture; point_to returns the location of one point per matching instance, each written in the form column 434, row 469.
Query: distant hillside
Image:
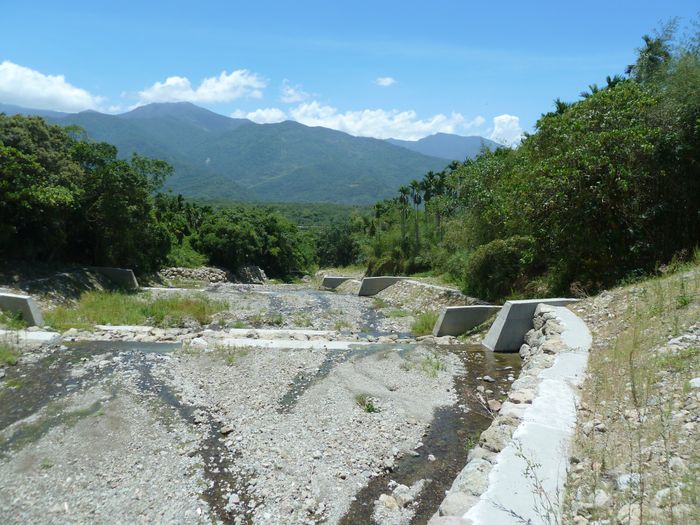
column 447, row 146
column 216, row 157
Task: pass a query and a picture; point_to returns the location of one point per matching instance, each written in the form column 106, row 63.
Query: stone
column 695, row 382
column 456, row 504
column 473, row 479
column 389, row 502
column 402, row 495
column 525, row 351
column 489, row 379
column 226, row 429
column 199, row 343
column 601, row 499
column 450, row 520
column 521, row 396
column 496, row 437
column 251, row 274
column 494, row 405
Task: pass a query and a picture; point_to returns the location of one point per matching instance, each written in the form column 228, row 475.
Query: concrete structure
column 374, row 285
column 23, row 304
column 508, row 331
column 543, row 439
column 455, row 320
column 332, row 281
column 29, row 337
column 122, row 277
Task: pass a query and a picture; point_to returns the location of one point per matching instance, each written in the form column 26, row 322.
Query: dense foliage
column 67, row 199
column 606, row 187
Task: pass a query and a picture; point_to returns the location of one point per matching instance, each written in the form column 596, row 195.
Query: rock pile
column 205, row 274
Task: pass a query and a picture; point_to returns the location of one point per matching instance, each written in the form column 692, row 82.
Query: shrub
column 498, row 268
column 424, row 323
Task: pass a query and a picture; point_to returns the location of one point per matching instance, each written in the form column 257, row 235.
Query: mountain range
column 222, row 158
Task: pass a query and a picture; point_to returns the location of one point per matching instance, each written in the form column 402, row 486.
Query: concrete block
column 374, row 285
column 507, row 333
column 332, row 281
column 122, row 277
column 455, row 320
column 23, row 304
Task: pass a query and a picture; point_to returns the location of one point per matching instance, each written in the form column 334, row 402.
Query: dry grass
column 634, row 406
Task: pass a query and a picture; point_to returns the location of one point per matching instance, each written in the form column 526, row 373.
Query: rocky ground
column 293, row 406
column 636, row 458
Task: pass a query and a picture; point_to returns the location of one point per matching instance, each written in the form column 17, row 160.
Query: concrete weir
column 373, row 285
column 519, row 466
column 455, row 320
column 507, row 332
column 122, row 277
column 331, row 282
column 24, row 305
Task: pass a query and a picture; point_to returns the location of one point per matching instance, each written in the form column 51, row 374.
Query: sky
column 370, row 68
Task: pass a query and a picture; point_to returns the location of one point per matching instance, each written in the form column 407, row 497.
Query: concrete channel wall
column 456, row 320
column 373, row 285
column 122, row 277
column 513, row 321
column 24, row 305
column 332, row 282
column 521, row 459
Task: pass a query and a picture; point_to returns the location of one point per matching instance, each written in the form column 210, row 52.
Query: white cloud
column 262, row 115
column 29, row 88
column 378, row 123
column 507, row 130
column 224, row 88
column 292, row 94
column 384, row 81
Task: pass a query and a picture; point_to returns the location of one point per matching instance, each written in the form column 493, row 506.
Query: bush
column 497, row 269
column 424, row 323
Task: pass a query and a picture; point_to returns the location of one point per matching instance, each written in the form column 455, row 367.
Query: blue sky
column 381, row 68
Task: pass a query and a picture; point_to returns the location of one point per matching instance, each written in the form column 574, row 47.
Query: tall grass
column 120, row 308
column 424, row 323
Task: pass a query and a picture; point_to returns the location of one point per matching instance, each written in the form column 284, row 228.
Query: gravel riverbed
column 339, row 416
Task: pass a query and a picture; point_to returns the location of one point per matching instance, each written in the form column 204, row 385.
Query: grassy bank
column 119, row 308
column 636, row 458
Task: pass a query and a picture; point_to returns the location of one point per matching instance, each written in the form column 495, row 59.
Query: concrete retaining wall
column 374, row 285
column 508, row 331
column 23, row 304
column 122, row 277
column 332, row 282
column 456, row 320
column 531, row 434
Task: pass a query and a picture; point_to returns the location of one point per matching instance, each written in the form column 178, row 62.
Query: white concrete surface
column 513, row 321
column 540, row 446
column 455, row 320
column 333, row 281
column 373, row 285
column 29, row 336
column 291, row 344
column 133, row 329
column 23, row 304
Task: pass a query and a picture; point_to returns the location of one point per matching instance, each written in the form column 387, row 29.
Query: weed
column 378, row 303
column 424, row 323
column 238, row 324
column 8, row 355
column 12, row 321
column 302, row 320
column 399, row 313
column 231, row 354
column 341, row 324
column 45, row 464
column 366, row 403
column 432, row 364
column 276, row 319
column 15, row 382
column 134, row 309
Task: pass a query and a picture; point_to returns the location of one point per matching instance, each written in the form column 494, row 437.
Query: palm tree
column 417, row 198
column 560, row 106
column 404, row 192
column 651, row 58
